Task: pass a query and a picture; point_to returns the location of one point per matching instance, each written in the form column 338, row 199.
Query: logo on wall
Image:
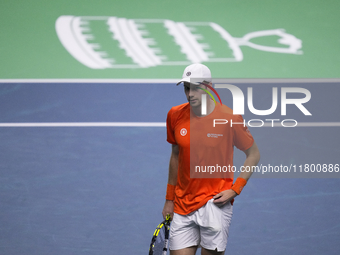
column 111, row 42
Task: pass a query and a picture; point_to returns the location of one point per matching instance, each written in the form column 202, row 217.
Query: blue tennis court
column 100, row 190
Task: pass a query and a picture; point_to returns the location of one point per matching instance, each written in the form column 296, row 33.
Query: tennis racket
column 159, row 241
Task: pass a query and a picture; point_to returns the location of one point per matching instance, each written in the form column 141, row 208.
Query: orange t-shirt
column 204, row 150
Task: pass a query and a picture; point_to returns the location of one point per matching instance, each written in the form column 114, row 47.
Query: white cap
column 195, row 74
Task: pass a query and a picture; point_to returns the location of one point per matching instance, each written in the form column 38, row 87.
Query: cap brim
column 188, row 79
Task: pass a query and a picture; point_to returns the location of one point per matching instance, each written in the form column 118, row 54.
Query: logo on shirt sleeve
column 183, row 131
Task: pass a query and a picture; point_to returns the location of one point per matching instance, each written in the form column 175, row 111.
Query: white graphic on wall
column 112, row 42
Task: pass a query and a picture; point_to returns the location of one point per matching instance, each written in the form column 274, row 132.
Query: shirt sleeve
column 243, row 139
column 170, row 128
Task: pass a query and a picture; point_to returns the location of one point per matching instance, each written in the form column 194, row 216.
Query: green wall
column 31, row 49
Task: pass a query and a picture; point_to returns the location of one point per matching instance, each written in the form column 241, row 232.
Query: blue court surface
column 100, row 190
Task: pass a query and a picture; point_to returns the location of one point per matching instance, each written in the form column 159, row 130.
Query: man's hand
column 224, row 197
column 168, row 209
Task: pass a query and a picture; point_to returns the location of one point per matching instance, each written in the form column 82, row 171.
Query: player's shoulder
column 179, row 112
column 229, row 114
column 225, row 109
column 179, row 109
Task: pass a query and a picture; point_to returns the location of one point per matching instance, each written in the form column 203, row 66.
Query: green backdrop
column 31, row 49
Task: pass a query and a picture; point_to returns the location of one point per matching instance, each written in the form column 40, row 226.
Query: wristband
column 170, row 192
column 238, row 185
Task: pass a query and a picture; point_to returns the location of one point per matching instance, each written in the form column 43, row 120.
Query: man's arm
column 252, row 159
column 172, row 180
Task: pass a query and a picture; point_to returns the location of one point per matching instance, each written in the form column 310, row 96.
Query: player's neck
column 197, row 110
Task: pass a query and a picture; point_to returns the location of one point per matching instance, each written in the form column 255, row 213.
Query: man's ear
column 206, row 87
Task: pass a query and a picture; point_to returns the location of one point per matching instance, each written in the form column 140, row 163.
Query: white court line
column 160, row 81
column 137, row 81
column 85, row 124
column 163, row 81
column 142, row 124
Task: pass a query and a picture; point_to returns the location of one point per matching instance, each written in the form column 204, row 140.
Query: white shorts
column 207, row 227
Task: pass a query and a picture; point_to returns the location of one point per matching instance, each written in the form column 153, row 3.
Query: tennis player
column 199, row 194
